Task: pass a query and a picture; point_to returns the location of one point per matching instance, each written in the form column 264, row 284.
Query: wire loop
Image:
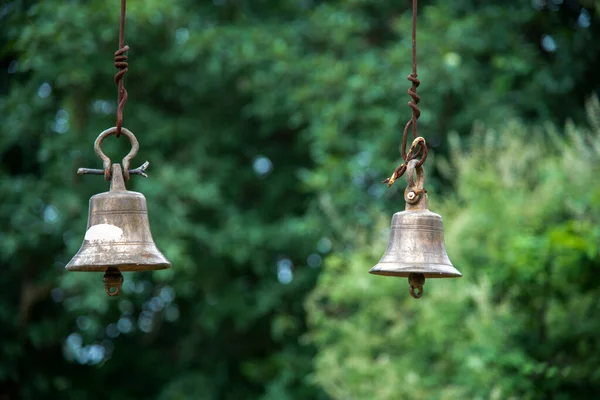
column 417, row 148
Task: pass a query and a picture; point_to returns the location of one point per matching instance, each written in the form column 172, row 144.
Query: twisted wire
column 416, row 113
column 418, row 147
column 122, row 67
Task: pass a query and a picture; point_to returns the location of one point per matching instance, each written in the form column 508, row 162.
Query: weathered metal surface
column 416, row 243
column 118, row 233
column 118, row 236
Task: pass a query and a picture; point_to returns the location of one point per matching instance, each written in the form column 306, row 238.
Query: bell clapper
column 113, row 279
column 416, row 281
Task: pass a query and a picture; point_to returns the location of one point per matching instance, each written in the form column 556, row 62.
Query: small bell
column 118, row 236
column 416, row 246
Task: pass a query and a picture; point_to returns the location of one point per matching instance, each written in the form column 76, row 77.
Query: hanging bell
column 416, row 246
column 118, row 236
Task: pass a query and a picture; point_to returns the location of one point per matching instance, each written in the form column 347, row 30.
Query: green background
column 269, row 126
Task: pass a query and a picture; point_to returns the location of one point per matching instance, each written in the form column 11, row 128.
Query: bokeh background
column 269, row 125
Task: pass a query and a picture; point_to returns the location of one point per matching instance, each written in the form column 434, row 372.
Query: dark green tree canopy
column 269, row 126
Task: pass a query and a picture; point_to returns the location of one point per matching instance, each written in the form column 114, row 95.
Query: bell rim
column 120, row 267
column 404, row 270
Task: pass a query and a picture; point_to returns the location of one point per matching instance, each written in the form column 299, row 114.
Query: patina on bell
column 118, row 236
column 416, row 247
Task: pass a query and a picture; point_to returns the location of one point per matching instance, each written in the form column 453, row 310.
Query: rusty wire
column 122, row 67
column 418, row 147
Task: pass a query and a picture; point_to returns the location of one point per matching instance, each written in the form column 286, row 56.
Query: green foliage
column 523, row 227
column 269, row 126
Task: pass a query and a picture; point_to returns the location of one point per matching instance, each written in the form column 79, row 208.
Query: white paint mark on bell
column 104, row 233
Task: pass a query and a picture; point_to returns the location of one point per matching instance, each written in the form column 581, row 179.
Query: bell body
column 416, row 245
column 118, row 233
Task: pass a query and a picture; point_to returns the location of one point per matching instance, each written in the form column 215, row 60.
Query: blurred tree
column 224, row 205
column 258, row 118
column 524, row 228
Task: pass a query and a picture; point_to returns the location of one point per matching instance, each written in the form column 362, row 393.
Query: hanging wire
column 122, row 66
column 418, row 147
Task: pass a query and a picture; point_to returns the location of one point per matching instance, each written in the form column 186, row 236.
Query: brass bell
column 118, row 236
column 416, row 246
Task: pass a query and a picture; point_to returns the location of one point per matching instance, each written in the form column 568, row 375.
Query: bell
column 416, row 246
column 118, row 236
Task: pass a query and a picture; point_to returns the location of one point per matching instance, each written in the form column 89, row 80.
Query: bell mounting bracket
column 107, row 171
column 415, row 194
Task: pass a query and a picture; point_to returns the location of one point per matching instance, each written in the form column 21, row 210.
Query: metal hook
column 411, row 167
column 135, row 146
column 415, row 190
